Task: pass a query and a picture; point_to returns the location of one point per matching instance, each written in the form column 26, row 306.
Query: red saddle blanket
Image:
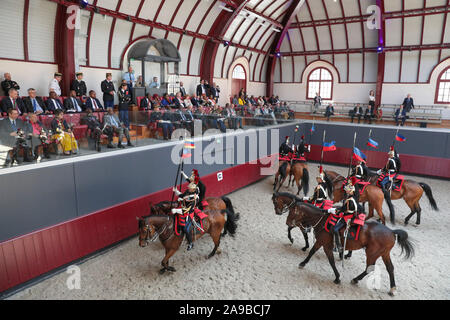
column 285, row 158
column 300, row 159
column 398, row 181
column 324, row 205
column 361, row 185
column 180, row 220
column 356, row 224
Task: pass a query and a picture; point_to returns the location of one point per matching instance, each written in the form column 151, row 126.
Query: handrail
column 344, row 104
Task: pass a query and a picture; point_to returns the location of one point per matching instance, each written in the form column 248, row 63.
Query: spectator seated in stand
column 356, row 112
column 53, row 103
column 34, row 104
column 400, row 115
column 93, row 103
column 147, row 103
column 13, row 102
column 72, row 104
column 329, row 111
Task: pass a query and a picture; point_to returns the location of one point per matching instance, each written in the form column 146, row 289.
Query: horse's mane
column 288, row 195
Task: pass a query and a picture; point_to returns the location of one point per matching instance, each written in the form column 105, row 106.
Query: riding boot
column 189, row 238
column 337, row 238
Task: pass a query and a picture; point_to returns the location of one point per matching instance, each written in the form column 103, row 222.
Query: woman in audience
column 166, row 101
column 63, row 135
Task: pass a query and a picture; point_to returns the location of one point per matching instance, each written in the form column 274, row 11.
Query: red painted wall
column 28, row 256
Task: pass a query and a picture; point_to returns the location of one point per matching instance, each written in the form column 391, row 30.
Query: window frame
column 234, row 68
column 438, row 84
column 320, row 81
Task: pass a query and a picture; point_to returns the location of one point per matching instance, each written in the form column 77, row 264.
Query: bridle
column 288, row 207
column 156, row 233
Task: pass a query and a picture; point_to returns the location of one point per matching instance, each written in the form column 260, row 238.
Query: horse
column 372, row 194
column 285, row 209
column 299, row 171
column 377, row 239
column 163, row 226
column 165, row 207
column 283, row 172
column 411, row 192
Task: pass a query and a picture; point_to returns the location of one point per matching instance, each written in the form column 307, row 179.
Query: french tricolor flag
column 400, row 138
column 329, row 146
column 358, row 155
column 372, row 143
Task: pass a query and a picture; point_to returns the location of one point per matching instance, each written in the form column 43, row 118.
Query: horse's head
column 281, row 203
column 147, row 231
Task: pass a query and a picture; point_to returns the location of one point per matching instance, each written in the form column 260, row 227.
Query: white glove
column 332, row 210
column 309, row 148
column 305, row 198
column 379, row 172
column 177, row 211
column 176, row 191
column 184, row 175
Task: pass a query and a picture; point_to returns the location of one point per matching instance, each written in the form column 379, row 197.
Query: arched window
column 443, row 87
column 239, row 72
column 320, row 81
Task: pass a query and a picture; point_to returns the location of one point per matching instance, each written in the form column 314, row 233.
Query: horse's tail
column 305, row 181
column 329, row 184
column 405, row 243
column 282, row 170
column 232, row 217
column 429, row 194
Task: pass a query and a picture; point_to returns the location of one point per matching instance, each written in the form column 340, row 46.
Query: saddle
column 181, row 221
column 298, row 159
column 361, row 185
column 397, row 180
column 324, row 205
column 355, row 225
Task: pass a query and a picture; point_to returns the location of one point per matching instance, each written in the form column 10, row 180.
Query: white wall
column 29, row 75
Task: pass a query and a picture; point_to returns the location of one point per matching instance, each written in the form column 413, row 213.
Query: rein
column 157, row 233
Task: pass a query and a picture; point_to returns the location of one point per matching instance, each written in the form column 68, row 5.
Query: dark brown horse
column 163, row 226
column 377, row 239
column 411, row 192
column 372, row 194
column 283, row 172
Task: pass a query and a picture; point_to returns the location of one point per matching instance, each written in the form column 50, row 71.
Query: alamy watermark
column 73, row 281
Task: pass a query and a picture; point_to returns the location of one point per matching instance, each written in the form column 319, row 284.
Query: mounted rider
column 347, row 212
column 188, row 202
column 360, row 172
column 301, row 149
column 319, row 198
column 285, row 150
column 390, row 171
column 195, row 178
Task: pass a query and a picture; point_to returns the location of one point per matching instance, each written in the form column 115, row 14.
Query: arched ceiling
column 332, row 30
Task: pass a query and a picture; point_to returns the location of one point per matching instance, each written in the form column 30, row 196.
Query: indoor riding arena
column 245, row 150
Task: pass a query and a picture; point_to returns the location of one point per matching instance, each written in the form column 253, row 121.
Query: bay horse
column 165, row 207
column 411, row 192
column 377, row 239
column 163, row 227
column 283, row 172
column 372, row 194
column 298, row 170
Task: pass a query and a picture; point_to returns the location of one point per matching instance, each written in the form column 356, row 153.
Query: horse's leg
column 281, row 183
column 299, row 185
column 390, row 269
column 371, row 258
column 319, row 243
column 305, row 235
column 215, row 235
column 289, row 234
column 370, row 211
column 170, row 251
column 412, row 206
column 348, row 255
column 328, row 248
column 379, row 208
column 276, row 181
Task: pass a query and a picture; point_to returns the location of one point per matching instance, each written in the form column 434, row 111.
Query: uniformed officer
column 108, row 91
column 79, row 85
column 8, row 84
column 320, row 192
column 285, row 149
column 390, row 171
column 54, row 84
column 195, row 178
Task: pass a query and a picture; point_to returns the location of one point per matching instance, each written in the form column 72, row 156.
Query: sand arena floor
column 261, row 263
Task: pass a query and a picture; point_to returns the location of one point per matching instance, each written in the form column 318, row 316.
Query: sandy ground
column 260, row 262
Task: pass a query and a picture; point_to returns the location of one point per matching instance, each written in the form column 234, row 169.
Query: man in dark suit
column 108, row 91
column 79, row 86
column 182, row 90
column 201, row 89
column 93, row 103
column 9, row 84
column 146, row 103
column 356, row 112
column 34, row 104
column 53, row 103
column 13, row 102
column 73, row 104
column 9, row 128
column 408, row 103
column 400, row 114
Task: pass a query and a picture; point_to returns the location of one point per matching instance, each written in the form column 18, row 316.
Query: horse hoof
column 406, row 222
column 354, row 281
column 304, row 249
column 171, row 269
column 162, row 271
column 348, row 256
column 393, row 291
column 218, row 251
column 337, row 281
column 301, row 265
column 292, row 241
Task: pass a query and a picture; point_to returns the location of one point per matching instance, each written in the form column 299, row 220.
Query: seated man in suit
column 114, row 125
column 400, row 114
column 53, row 103
column 63, row 135
column 95, row 128
column 13, row 102
column 329, row 111
column 93, row 103
column 179, row 102
column 34, row 104
column 163, row 121
column 356, row 112
column 408, row 103
column 147, row 103
column 72, row 104
column 10, row 130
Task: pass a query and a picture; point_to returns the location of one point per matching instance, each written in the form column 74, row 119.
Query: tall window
column 239, row 72
column 443, row 87
column 320, row 81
